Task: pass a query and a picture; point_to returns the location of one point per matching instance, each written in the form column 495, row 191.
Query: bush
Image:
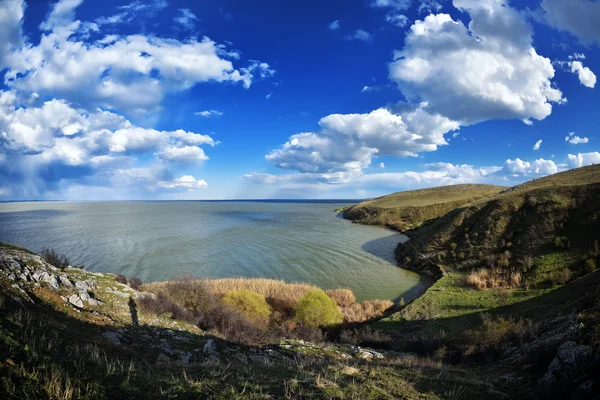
column 191, row 293
column 251, row 304
column 52, row 257
column 561, row 276
column 367, row 310
column 121, row 279
column 135, row 283
column 366, row 336
column 590, row 265
column 494, row 279
column 317, row 309
column 161, row 304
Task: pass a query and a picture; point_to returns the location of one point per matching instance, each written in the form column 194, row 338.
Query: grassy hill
column 410, row 209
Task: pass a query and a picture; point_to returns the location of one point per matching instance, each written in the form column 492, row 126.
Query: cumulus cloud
column 11, row 14
column 586, row 76
column 398, row 20
column 488, row 70
column 56, row 142
column 574, row 139
column 132, row 72
column 395, row 4
column 429, row 6
column 360, row 34
column 187, row 182
column 335, row 25
column 578, row 17
column 537, row 145
column 518, row 167
column 187, row 19
column 583, row 159
column 348, row 142
column 210, row 113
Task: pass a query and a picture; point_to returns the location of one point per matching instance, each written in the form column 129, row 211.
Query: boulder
column 569, row 361
column 210, row 347
column 114, row 337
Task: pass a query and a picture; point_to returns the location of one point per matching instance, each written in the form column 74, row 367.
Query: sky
column 185, row 99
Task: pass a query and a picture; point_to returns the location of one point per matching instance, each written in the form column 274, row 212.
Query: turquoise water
column 296, row 242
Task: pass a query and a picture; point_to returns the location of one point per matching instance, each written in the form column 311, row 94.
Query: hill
column 410, row 209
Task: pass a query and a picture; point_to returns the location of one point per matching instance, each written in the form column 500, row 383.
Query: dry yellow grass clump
column 493, row 279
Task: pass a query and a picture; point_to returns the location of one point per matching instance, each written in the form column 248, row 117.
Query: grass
column 410, row 209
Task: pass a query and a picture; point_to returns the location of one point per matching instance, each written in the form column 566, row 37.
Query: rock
column 66, row 282
column 84, row 295
column 114, row 337
column 75, row 300
column 94, row 303
column 54, row 282
column 210, row 347
column 82, row 285
column 584, row 390
column 185, row 357
column 569, row 361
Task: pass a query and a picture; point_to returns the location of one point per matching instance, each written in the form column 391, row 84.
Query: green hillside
column 410, row 209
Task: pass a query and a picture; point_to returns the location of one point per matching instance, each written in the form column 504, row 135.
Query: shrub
column 316, row 309
column 135, row 283
column 561, row 276
column 231, row 324
column 191, row 293
column 366, row 336
column 251, row 304
column 367, row 310
column 453, row 246
column 342, row 297
column 493, row 279
column 121, row 279
column 590, row 265
column 52, row 257
column 161, row 304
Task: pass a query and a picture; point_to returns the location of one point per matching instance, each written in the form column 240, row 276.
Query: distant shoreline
column 289, row 201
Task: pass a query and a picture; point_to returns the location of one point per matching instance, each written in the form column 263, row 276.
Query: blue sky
column 340, row 99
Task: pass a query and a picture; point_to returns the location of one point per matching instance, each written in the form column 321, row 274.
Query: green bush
column 315, row 309
column 590, row 265
column 251, row 304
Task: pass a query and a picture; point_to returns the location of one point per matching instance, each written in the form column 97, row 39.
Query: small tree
column 251, row 304
column 316, row 309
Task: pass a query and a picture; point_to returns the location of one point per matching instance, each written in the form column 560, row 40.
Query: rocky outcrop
column 571, row 362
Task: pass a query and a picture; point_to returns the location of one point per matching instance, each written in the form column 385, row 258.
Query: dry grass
column 365, row 311
column 343, row 297
column 494, row 279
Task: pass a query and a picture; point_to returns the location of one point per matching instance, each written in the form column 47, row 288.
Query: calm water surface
column 159, row 240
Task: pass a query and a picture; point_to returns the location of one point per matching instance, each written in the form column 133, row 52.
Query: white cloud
column 186, row 18
column 399, row 20
column 429, row 6
column 366, row 89
column 381, row 165
column 335, row 25
column 11, row 14
column 56, row 142
column 583, row 159
column 395, row 4
column 537, row 145
column 209, row 113
column 577, row 56
column 578, row 17
column 490, row 68
column 525, row 168
column 455, row 135
column 184, row 182
column 586, row 76
column 184, row 154
column 361, row 35
column 268, row 96
column 132, row 72
column 348, row 142
column 574, row 139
